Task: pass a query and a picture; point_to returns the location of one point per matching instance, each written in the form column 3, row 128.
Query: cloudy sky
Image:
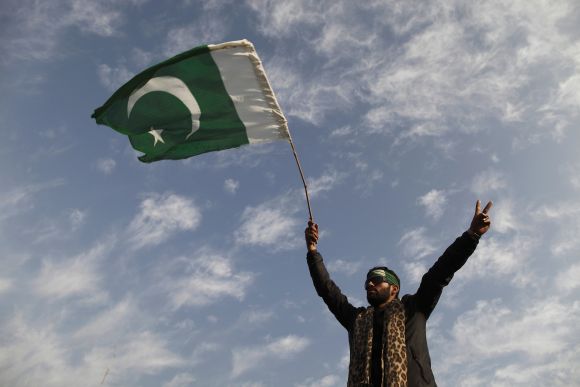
column 193, row 273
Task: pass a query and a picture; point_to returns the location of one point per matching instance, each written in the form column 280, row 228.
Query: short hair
column 388, row 271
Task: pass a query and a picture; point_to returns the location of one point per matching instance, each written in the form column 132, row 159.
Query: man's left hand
column 480, row 223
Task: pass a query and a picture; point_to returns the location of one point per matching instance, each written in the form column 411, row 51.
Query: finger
column 311, row 231
column 310, row 223
column 488, row 207
column 477, row 207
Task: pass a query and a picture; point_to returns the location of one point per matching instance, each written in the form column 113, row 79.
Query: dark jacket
column 418, row 306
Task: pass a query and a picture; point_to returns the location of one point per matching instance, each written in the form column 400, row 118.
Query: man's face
column 378, row 291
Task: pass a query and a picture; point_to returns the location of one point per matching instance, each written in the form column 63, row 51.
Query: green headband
column 390, row 278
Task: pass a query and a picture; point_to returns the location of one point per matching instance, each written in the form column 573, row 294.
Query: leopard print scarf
column 394, row 361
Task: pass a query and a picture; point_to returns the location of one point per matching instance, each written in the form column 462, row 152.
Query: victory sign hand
column 480, row 222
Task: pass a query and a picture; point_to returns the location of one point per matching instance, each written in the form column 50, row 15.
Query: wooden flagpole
column 301, row 176
column 276, row 111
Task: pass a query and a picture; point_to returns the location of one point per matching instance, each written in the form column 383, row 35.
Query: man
column 387, row 340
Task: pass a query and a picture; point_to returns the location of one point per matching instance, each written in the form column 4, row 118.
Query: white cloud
column 247, row 358
column 97, row 18
column 205, row 30
column 181, row 380
column 253, row 384
column 267, row 227
column 565, row 243
column 416, row 244
column 37, row 28
column 36, row 354
column 110, row 325
column 342, row 132
column 54, row 133
column 75, row 277
column 112, row 78
column 415, row 270
column 325, row 182
column 288, row 346
column 270, row 224
column 341, row 266
column 344, row 360
column 307, row 98
column 484, row 81
column 568, row 93
column 575, row 181
column 422, row 129
column 503, row 217
column 20, row 199
column 77, row 218
column 5, row 285
column 472, row 329
column 533, row 336
column 558, row 372
column 248, row 157
column 557, row 212
column 567, row 280
column 231, row 185
column 142, row 352
column 216, row 4
column 434, row 202
column 487, row 182
column 204, row 279
column 106, row 166
column 498, row 258
column 571, row 172
column 254, row 317
column 564, row 216
column 325, row 381
column 455, row 66
column 159, row 217
column 55, row 228
column 282, row 18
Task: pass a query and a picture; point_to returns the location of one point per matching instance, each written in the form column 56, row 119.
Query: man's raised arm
column 337, row 302
column 454, row 257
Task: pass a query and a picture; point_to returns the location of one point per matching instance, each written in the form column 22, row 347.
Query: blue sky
column 193, row 273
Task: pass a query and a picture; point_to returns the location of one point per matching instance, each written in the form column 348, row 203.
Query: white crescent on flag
column 173, row 86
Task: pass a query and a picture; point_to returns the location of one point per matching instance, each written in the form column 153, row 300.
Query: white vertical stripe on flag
column 247, row 85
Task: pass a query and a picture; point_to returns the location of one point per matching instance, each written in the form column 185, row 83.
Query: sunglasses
column 375, row 280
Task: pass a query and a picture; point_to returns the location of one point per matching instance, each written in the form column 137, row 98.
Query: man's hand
column 480, row 222
column 311, row 236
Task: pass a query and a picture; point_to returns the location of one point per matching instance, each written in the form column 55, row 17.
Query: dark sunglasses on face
column 375, row 280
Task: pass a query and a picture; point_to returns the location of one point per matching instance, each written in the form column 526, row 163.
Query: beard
column 378, row 297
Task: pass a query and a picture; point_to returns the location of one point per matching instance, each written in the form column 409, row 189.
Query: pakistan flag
column 206, row 99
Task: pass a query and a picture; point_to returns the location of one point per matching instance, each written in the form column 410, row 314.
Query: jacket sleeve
column 441, row 273
column 331, row 294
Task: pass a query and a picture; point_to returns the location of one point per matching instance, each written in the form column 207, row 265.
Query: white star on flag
column 156, row 133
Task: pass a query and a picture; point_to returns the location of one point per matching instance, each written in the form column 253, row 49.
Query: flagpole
column 301, row 175
column 276, row 111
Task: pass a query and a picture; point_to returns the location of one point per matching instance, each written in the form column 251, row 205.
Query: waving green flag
column 206, row 99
